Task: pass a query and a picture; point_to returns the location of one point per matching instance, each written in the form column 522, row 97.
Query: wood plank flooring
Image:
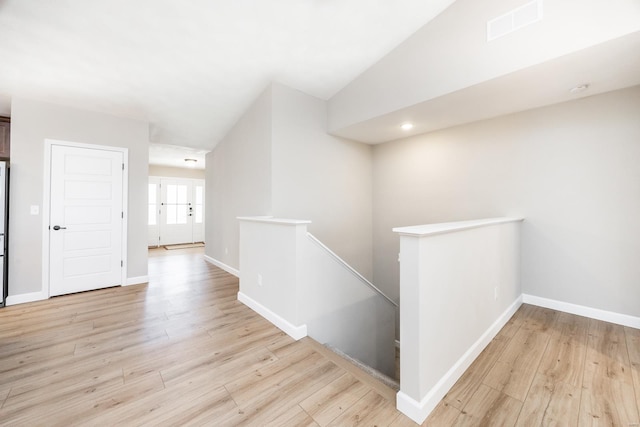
column 183, row 351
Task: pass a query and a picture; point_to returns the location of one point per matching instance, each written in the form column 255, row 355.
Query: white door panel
column 83, row 164
column 86, row 202
column 98, row 216
column 83, row 266
column 87, row 190
column 74, row 241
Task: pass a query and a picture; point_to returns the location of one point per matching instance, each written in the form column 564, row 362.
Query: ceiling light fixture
column 407, row 126
column 191, row 163
column 579, row 88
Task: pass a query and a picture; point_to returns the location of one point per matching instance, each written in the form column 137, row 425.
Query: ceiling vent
column 514, row 20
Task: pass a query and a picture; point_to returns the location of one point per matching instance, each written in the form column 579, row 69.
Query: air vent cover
column 516, row 19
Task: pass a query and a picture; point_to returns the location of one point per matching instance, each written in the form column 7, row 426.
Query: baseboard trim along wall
column 418, row 411
column 222, row 265
column 581, row 310
column 136, row 280
column 295, row 332
column 24, row 298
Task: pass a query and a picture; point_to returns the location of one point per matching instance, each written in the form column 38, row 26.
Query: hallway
column 182, row 350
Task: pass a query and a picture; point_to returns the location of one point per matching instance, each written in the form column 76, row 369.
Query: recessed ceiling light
column 407, row 126
column 579, row 88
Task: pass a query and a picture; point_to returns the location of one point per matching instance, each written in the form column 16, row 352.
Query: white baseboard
column 419, row 411
column 136, row 280
column 222, row 265
column 24, row 298
column 581, row 310
column 295, row 332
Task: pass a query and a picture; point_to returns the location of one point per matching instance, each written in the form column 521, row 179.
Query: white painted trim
column 125, row 214
column 136, row 280
column 272, row 220
column 581, row 310
column 24, row 298
column 222, row 265
column 419, row 411
column 451, row 227
column 46, row 199
column 295, row 332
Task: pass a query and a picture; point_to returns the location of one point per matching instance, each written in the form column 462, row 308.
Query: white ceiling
column 174, row 156
column 608, row 66
column 193, row 67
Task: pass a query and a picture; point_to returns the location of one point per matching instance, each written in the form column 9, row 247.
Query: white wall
column 278, row 160
column 270, row 256
column 571, row 170
column 169, row 171
column 321, row 178
column 238, row 180
column 31, row 123
column 451, row 52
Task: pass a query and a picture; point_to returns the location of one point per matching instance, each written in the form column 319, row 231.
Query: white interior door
column 85, row 219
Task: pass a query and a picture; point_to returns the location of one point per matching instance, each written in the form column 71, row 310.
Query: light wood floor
column 183, row 351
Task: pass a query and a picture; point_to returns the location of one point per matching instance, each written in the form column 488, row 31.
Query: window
column 182, row 204
column 176, row 206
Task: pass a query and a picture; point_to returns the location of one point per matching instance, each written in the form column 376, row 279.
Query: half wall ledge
column 451, row 227
column 459, row 285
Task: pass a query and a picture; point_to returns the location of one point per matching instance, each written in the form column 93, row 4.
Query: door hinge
column 121, row 263
column 123, row 166
column 122, row 215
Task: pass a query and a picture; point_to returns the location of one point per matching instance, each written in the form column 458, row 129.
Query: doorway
column 176, row 211
column 86, row 235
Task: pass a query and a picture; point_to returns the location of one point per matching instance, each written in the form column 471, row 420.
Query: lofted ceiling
column 451, row 72
column 605, row 67
column 192, row 68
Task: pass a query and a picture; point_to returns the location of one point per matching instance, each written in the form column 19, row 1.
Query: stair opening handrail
column 351, row 269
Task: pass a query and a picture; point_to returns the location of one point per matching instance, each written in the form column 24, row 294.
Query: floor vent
column 514, row 20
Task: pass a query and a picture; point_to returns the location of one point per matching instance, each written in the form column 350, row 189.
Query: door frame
column 157, row 225
column 46, row 199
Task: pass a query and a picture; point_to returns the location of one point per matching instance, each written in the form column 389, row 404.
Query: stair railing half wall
column 459, row 285
column 292, row 279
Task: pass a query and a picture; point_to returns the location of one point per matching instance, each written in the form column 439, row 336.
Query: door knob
column 57, row 227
